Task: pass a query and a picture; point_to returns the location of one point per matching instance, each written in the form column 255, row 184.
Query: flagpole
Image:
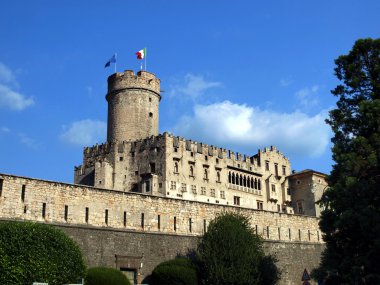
column 115, row 61
column 146, row 56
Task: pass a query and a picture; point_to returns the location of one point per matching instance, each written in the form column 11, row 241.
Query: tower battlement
column 120, row 81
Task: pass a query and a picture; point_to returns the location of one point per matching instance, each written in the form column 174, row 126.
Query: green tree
column 230, row 253
column 105, row 276
column 351, row 219
column 179, row 271
column 38, row 252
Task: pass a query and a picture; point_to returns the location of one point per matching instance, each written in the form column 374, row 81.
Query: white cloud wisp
column 85, row 132
column 193, row 86
column 10, row 99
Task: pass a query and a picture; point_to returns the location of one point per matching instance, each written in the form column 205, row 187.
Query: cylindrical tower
column 133, row 101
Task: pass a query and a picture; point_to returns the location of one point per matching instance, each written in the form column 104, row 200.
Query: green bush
column 105, row 276
column 31, row 252
column 179, row 271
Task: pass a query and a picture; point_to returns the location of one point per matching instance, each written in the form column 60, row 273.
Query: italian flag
column 141, row 53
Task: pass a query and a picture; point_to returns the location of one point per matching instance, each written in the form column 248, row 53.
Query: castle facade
column 143, row 197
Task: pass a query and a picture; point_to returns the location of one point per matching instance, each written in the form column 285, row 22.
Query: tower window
column 150, row 114
column 66, row 212
column 150, row 99
column 23, row 193
column 44, row 210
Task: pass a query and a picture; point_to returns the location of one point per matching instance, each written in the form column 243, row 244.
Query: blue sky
column 236, row 74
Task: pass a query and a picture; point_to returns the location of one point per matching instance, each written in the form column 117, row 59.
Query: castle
column 167, row 188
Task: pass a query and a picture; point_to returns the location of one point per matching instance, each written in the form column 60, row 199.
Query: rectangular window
column 1, row 186
column 142, row 220
column 175, row 224
column 183, row 187
column 173, row 185
column 259, row 205
column 212, row 192
column 125, row 219
column 276, row 169
column 159, row 222
column 194, row 189
column 236, row 200
column 25, row 208
column 273, row 188
column 106, row 217
column 268, row 233
column 203, row 190
column 283, row 170
column 121, row 158
column 222, row 194
column 44, row 210
column 86, row 215
column 300, row 207
column 152, row 167
column 279, row 233
column 66, row 212
column 190, row 223
column 278, row 208
column 204, row 226
column 266, row 165
column 288, row 191
column 290, row 234
column 23, row 189
column 299, row 234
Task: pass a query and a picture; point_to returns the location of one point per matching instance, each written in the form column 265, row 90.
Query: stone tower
column 133, row 101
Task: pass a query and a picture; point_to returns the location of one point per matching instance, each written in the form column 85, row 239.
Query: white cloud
column 308, row 97
column 248, row 128
column 9, row 98
column 13, row 100
column 193, row 86
column 4, row 130
column 29, row 142
column 6, row 75
column 85, row 132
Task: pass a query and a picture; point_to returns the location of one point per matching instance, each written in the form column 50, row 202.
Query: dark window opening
column 23, row 189
column 159, row 222
column 66, row 212
column 87, row 214
column 150, row 115
column 190, row 222
column 152, row 167
column 142, row 220
column 266, row 165
column 236, row 200
column 1, row 186
column 125, row 219
column 175, row 224
column 121, row 158
column 43, row 210
column 204, row 226
column 106, row 217
column 25, row 208
column 147, row 186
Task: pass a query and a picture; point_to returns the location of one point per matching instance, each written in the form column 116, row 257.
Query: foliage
column 351, row 220
column 179, row 271
column 37, row 252
column 230, row 253
column 105, row 276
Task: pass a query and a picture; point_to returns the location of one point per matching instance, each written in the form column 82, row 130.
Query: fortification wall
column 54, row 202
column 143, row 251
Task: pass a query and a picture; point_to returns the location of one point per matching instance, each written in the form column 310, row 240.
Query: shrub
column 105, row 276
column 179, row 271
column 37, row 252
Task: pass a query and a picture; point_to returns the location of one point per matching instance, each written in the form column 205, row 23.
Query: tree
column 351, row 219
column 38, row 252
column 179, row 271
column 230, row 253
column 105, row 276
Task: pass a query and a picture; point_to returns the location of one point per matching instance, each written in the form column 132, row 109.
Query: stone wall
column 143, row 251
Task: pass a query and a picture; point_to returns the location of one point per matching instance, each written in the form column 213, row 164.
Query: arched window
column 249, row 182
column 245, row 181
column 218, row 176
column 233, row 178
column 175, row 167
column 256, row 183
column 241, row 180
column 205, row 176
column 191, row 170
column 229, row 177
column 259, row 184
column 252, row 183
